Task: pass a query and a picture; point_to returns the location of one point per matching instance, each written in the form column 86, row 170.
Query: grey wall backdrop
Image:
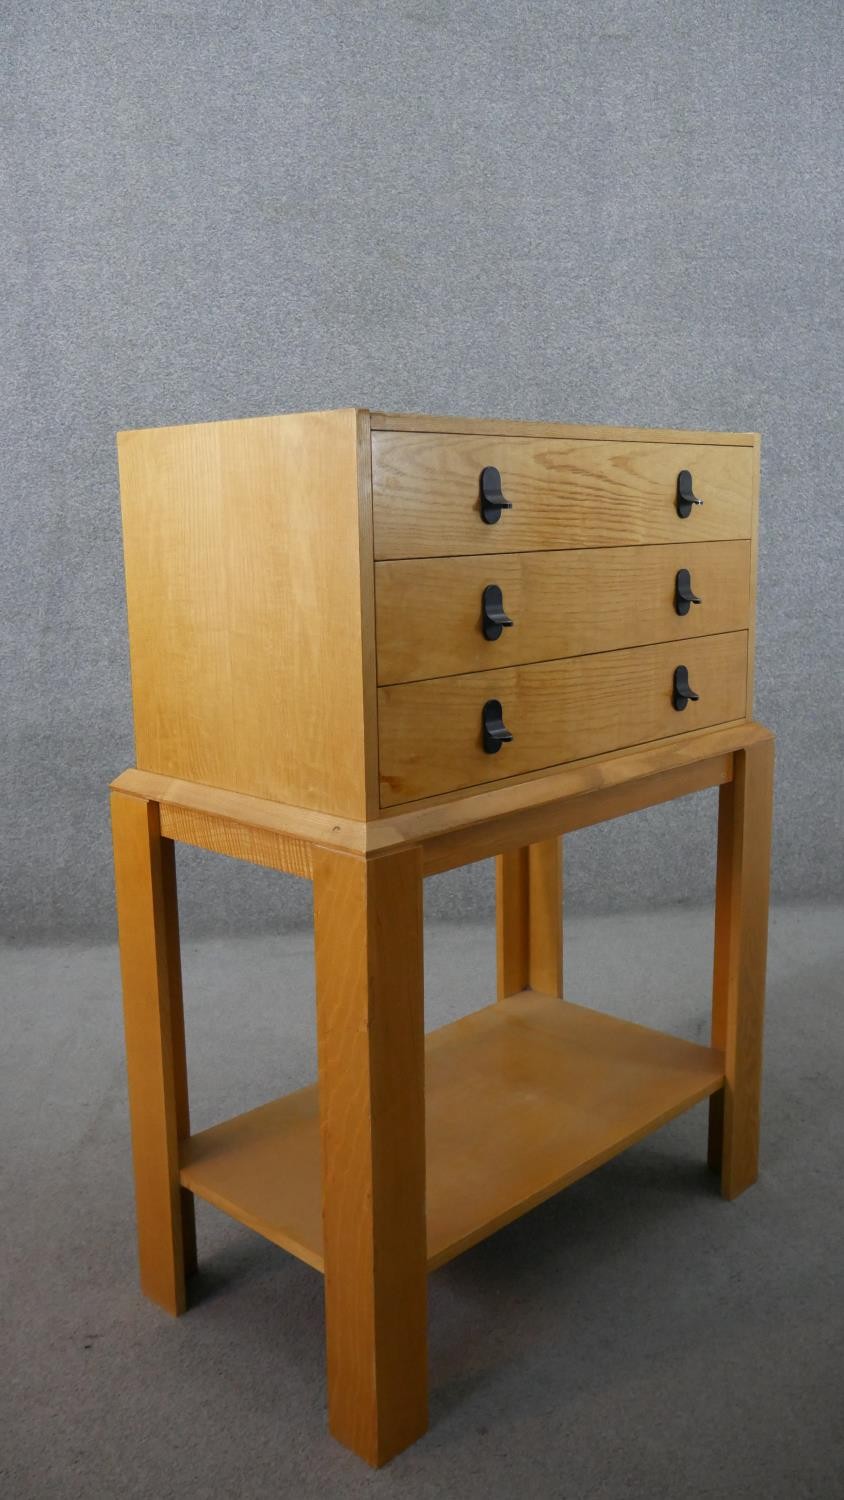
column 619, row 212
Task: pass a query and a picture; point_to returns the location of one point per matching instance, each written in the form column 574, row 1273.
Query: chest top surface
column 358, row 612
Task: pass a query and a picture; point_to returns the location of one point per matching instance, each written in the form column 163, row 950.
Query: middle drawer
column 429, row 611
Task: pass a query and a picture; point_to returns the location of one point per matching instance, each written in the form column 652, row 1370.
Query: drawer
column 429, row 610
column 564, row 493
column 430, row 736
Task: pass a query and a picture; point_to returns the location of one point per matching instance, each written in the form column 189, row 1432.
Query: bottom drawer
column 431, row 736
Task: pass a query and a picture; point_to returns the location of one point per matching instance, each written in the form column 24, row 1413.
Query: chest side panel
column 243, row 545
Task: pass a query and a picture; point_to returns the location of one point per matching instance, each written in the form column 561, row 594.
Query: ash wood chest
column 322, row 608
column 368, row 648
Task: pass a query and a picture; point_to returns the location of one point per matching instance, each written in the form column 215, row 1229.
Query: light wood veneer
column 430, row 731
column 581, row 493
column 546, row 1089
column 309, row 675
column 279, row 569
column 562, row 603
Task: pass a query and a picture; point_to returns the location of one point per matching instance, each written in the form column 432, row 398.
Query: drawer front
column 430, row 733
column 429, row 610
column 426, row 490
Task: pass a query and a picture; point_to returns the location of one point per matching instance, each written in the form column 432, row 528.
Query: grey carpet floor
column 635, row 1336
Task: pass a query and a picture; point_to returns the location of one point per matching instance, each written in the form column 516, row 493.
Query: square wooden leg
column 529, row 919
column 370, row 1034
column 147, row 917
column 741, row 935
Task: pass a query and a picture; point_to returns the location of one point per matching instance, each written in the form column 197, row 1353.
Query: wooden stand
column 411, row 1149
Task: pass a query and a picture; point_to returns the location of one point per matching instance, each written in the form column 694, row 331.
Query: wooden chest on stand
column 366, row 648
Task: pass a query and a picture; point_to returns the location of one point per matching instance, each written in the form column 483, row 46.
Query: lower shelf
column 522, row 1098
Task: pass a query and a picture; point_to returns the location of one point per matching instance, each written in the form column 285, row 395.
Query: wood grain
column 461, row 845
column 382, row 421
column 277, row 567
column 530, row 1094
column 221, row 835
column 246, row 543
column 366, row 548
column 370, row 1033
column 561, row 604
column 523, row 1097
column 529, row 919
column 263, row 1169
column 426, row 487
column 560, row 800
column 430, row 732
column 173, row 952
column 754, row 568
column 741, row 936
column 459, row 829
column 293, row 826
column 155, row 1063
column 545, row 916
column 512, row 922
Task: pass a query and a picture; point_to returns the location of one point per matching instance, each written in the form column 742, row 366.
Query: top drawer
column 564, row 493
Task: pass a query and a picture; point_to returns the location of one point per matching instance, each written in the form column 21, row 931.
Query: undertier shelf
column 522, row 1098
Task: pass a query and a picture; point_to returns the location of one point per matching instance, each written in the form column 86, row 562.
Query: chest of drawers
column 369, row 648
column 353, row 612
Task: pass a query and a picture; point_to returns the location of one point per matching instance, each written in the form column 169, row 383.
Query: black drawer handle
column 682, row 694
column 495, row 732
column 686, row 496
column 493, row 618
column 684, row 597
column 492, row 499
